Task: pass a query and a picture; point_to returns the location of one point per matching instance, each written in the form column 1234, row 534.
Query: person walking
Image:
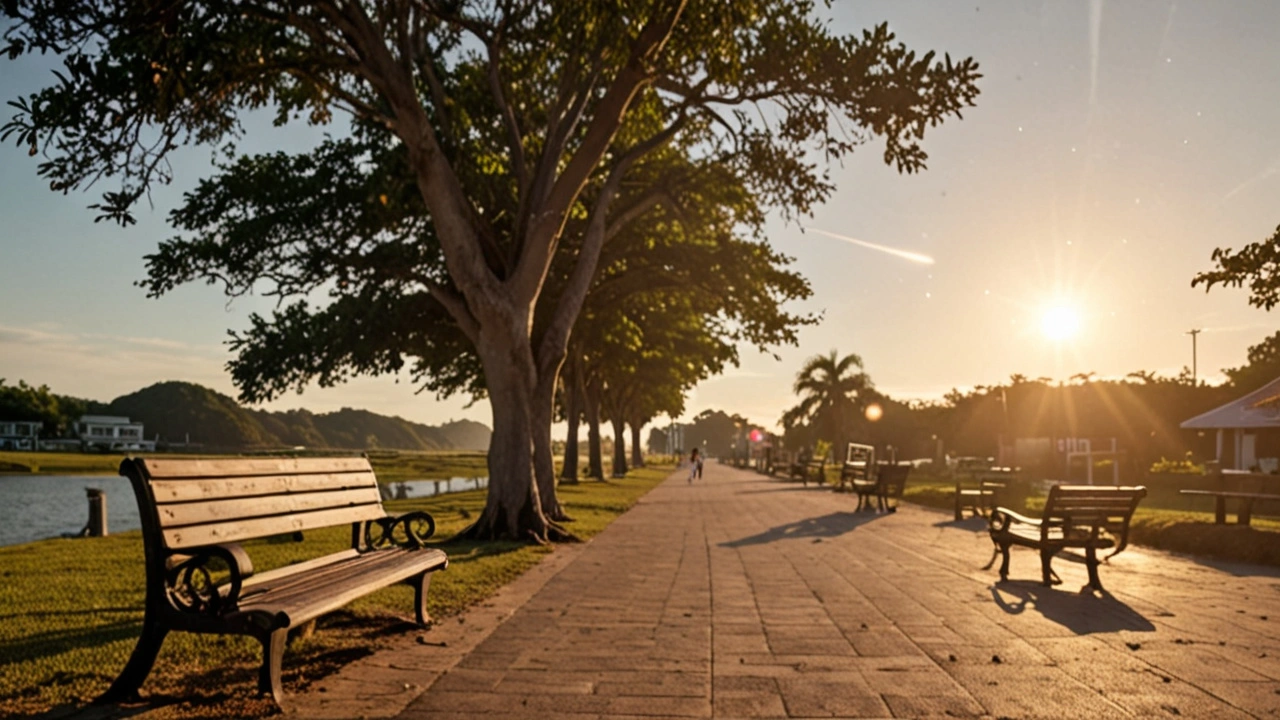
column 695, row 465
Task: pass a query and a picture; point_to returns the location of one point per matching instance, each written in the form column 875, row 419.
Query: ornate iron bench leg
column 272, row 654
column 125, row 688
column 1004, row 564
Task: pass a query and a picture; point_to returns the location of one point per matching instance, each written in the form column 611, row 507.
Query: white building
column 110, row 432
column 1254, row 422
column 19, row 434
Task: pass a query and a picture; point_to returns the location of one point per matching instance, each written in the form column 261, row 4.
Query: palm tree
column 832, row 390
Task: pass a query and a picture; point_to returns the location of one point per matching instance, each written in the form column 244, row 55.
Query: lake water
column 35, row 507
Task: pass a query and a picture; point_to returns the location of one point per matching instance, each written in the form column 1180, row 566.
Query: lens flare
column 1060, row 323
column 904, row 254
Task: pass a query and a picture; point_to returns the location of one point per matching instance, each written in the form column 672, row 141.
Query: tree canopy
column 1257, row 264
column 478, row 132
column 833, row 392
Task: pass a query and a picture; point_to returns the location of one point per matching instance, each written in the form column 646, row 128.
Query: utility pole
column 1193, row 333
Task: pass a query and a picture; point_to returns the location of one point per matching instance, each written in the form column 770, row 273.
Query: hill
column 185, row 412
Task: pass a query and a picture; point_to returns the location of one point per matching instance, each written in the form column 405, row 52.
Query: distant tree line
column 180, row 412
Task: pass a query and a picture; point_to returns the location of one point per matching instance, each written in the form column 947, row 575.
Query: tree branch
column 535, row 257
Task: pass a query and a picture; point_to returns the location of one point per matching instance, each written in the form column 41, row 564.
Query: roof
column 1258, row 409
column 106, row 420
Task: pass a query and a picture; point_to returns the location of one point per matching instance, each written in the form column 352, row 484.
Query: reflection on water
column 35, row 507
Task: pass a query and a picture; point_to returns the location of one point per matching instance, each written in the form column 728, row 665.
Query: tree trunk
column 544, row 463
column 595, row 457
column 572, row 413
column 637, row 453
column 513, row 508
column 619, row 448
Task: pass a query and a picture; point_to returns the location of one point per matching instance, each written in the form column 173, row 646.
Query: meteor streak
column 905, row 254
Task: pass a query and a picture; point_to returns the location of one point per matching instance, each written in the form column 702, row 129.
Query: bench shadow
column 774, row 487
column 1235, row 568
column 1082, row 613
column 976, row 523
column 825, row 526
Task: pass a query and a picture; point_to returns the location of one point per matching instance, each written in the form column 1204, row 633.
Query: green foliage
column 64, row 640
column 1262, row 366
column 1186, row 466
column 178, row 411
column 1258, row 264
column 1197, row 534
column 833, row 392
column 56, row 412
column 524, row 114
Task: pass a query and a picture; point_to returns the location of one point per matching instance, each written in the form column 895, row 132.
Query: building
column 1254, row 422
column 19, row 434
column 110, row 432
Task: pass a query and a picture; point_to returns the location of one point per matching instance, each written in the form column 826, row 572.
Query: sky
column 1114, row 145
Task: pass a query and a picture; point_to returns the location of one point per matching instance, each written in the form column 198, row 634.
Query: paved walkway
column 744, row 596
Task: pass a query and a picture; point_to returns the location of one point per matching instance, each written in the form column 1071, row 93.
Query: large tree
column 489, row 124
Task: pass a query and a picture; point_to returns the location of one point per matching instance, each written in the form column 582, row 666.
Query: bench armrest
column 408, row 530
column 1011, row 516
column 189, row 582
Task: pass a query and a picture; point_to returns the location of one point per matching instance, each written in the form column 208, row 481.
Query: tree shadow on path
column 1081, row 613
column 833, row 525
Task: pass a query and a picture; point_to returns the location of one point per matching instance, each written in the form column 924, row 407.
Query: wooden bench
column 888, row 484
column 1245, row 487
column 983, row 498
column 1244, row 513
column 815, row 470
column 194, row 511
column 1075, row 516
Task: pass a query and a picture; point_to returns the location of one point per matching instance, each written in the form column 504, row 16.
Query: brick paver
column 745, row 596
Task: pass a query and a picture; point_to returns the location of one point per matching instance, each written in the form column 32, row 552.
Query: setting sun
column 1060, row 323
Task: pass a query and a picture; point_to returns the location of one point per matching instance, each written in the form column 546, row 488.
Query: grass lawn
column 71, row 610
column 390, row 466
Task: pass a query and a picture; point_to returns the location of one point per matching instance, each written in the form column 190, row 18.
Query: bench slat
column 167, row 491
column 313, row 564
column 288, row 577
column 1231, row 494
column 197, row 513
column 307, row 603
column 215, row 533
column 158, row 468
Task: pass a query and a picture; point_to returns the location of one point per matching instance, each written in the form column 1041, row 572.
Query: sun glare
column 1060, row 323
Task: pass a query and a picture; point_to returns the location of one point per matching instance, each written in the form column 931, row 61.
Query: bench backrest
column 859, row 462
column 1094, row 507
column 186, row 503
column 892, row 478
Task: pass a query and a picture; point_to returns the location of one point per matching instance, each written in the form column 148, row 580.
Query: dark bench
column 1247, row 488
column 1089, row 517
column 888, row 484
column 979, row 491
column 857, row 473
column 193, row 513
column 815, row 470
